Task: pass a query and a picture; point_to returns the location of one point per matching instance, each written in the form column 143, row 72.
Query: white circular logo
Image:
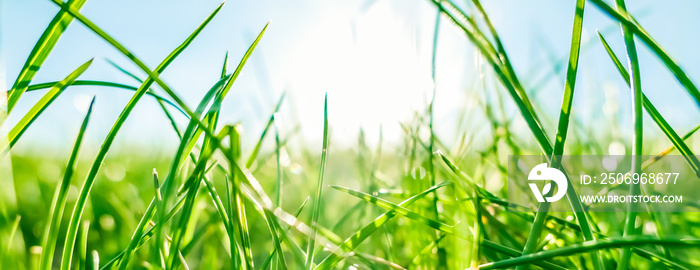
column 541, row 173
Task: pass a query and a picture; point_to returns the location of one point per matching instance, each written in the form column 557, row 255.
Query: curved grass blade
column 668, row 150
column 676, row 140
column 182, row 227
column 628, row 20
column 319, row 186
column 442, row 260
column 48, row 243
column 136, row 238
column 40, row 86
column 21, row 126
column 636, row 88
column 82, row 246
column 256, row 150
column 94, row 260
column 92, row 174
column 562, row 130
column 589, row 246
column 41, row 51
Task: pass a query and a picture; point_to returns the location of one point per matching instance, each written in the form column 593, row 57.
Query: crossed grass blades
column 211, row 208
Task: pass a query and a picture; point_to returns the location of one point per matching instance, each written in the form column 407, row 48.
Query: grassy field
column 214, row 202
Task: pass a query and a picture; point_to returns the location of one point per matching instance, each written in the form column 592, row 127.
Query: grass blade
column 40, row 86
column 592, row 246
column 626, row 19
column 676, row 140
column 256, row 150
column 319, row 187
column 562, row 131
column 43, row 103
column 136, row 238
column 82, row 246
column 41, row 51
column 442, row 259
column 48, row 243
column 636, row 89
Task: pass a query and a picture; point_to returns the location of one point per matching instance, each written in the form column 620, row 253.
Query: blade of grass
column 136, row 238
column 626, row 19
column 42, row 49
column 690, row 158
column 676, row 140
column 82, row 246
column 40, row 86
column 502, row 72
column 36, row 110
column 94, row 260
column 636, row 89
column 48, row 243
column 319, row 187
column 442, row 259
column 234, row 155
column 280, row 179
column 92, row 174
column 562, row 130
column 589, row 246
column 256, row 150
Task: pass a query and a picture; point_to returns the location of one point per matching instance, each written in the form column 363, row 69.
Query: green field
column 429, row 201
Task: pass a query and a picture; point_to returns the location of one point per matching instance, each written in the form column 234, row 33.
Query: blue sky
column 372, row 57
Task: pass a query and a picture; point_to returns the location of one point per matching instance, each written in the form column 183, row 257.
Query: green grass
column 426, row 202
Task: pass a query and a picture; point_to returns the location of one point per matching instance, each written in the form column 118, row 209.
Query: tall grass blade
column 676, row 140
column 562, row 131
column 317, row 200
column 258, row 145
column 48, row 243
column 636, row 91
column 39, row 107
column 626, row 19
column 82, row 246
column 42, row 49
